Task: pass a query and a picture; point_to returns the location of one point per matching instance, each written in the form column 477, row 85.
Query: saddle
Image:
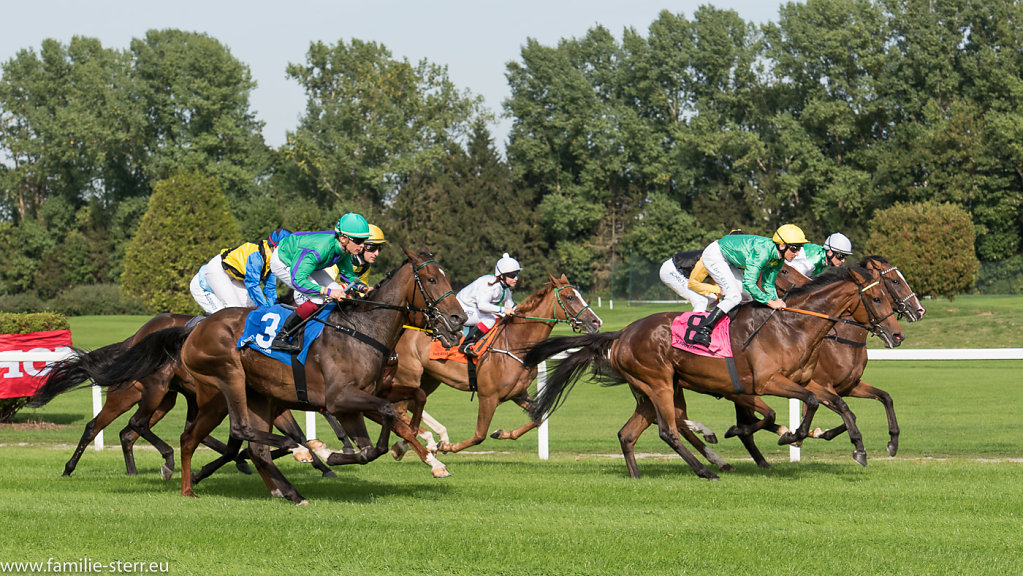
column 685, row 325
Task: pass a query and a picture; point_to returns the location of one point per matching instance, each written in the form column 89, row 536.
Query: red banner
column 21, row 377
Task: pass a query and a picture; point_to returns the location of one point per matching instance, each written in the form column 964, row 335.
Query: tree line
column 623, row 149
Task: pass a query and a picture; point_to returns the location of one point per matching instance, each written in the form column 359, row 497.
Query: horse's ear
column 553, row 279
column 565, row 278
column 409, row 253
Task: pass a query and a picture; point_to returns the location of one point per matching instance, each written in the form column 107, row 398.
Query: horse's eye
column 877, row 300
column 431, row 280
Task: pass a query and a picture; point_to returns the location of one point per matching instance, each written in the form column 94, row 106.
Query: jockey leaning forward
column 813, row 258
column 301, row 260
column 238, row 276
column 736, row 263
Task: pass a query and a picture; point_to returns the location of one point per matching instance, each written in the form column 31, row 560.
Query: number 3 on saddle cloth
column 684, row 326
column 261, row 327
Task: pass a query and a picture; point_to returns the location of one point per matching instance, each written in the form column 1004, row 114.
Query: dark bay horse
column 842, row 359
column 343, row 369
column 155, row 395
column 774, row 351
column 500, row 373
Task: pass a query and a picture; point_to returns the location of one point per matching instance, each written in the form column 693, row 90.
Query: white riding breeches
column 728, row 278
column 206, row 299
column 679, row 284
column 475, row 317
column 232, row 292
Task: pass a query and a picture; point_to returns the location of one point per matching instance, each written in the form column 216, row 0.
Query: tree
column 371, row 121
column 931, row 243
column 188, row 221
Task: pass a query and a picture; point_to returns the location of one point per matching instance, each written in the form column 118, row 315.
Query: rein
column 571, row 319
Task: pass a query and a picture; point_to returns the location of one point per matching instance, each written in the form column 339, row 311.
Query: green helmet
column 352, row 225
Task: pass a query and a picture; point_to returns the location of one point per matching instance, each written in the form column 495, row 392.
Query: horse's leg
column 408, row 435
column 119, row 401
column 437, row 427
column 832, row 400
column 525, row 402
column 352, row 403
column 211, row 411
column 286, row 423
column 484, row 415
column 746, row 420
column 778, row 385
column 700, row 428
column 141, row 424
column 659, row 390
column 864, row 390
column 232, row 451
column 640, row 420
column 339, row 431
column 260, row 416
column 687, row 433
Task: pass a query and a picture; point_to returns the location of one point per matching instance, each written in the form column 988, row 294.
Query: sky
column 475, row 39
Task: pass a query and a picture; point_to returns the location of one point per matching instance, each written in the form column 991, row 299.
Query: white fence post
column 310, row 425
column 541, row 430
column 97, row 405
column 794, row 418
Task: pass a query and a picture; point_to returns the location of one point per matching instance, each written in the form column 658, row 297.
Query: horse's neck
column 803, row 332
column 383, row 324
column 522, row 331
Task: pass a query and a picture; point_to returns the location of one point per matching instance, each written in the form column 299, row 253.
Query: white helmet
column 506, row 265
column 838, row 242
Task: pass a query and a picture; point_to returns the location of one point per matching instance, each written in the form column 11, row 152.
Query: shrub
column 96, row 300
column 188, row 221
column 29, row 323
column 932, row 243
column 1005, row 277
column 24, row 302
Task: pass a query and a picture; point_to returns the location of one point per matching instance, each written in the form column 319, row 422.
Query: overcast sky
column 473, row 38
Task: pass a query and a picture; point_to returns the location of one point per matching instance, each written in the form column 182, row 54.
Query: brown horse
column 775, row 353
column 842, row 360
column 343, row 369
column 155, row 394
column 500, row 374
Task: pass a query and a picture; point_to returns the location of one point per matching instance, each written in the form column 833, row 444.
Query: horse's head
column 789, row 278
column 571, row 307
column 906, row 300
column 876, row 309
column 444, row 315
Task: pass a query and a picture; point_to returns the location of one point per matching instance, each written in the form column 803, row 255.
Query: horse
column 842, row 360
column 155, row 394
column 775, row 353
column 343, row 369
column 500, row 373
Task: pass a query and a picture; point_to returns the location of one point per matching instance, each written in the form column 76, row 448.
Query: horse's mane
column 344, row 305
column 535, row 298
column 826, row 278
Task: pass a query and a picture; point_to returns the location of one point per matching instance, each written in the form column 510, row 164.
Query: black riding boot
column 281, row 341
column 474, row 335
column 702, row 335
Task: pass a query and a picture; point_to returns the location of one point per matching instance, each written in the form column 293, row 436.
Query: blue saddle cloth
column 261, row 327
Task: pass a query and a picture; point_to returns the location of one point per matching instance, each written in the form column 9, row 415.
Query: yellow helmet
column 376, row 235
column 789, row 234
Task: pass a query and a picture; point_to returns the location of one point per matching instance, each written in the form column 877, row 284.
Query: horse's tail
column 72, row 372
column 132, row 363
column 592, row 347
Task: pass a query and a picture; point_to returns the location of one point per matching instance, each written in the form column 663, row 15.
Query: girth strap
column 358, row 336
column 845, row 341
column 733, row 373
column 298, row 372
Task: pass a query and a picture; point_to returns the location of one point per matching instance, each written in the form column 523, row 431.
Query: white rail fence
column 29, row 362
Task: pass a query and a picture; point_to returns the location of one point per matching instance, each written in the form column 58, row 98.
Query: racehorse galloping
column 342, row 369
column 500, row 374
column 840, row 365
column 779, row 357
column 155, row 394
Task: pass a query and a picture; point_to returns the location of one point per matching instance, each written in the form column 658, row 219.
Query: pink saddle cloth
column 685, row 325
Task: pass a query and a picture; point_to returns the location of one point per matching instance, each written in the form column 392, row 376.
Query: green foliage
column 931, row 243
column 187, row 222
column 1004, row 277
column 22, row 302
column 29, row 323
column 96, row 299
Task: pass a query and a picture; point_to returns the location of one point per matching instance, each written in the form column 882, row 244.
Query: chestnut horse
column 842, row 359
column 500, row 373
column 155, row 394
column 344, row 366
column 774, row 352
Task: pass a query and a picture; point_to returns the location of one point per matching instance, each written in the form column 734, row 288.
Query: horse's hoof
column 441, row 472
column 243, row 467
column 787, row 438
column 893, row 448
column 302, row 454
column 398, row 451
column 860, row 458
column 727, row 468
column 710, row 438
column 329, row 474
column 732, row 432
column 496, row 434
column 188, row 494
column 817, row 433
column 302, row 502
column 708, row 475
column 166, row 471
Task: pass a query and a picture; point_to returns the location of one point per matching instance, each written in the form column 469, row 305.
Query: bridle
column 559, row 303
column 432, row 312
column 902, row 307
column 874, row 326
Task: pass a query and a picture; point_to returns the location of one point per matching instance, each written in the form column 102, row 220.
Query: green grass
column 948, row 503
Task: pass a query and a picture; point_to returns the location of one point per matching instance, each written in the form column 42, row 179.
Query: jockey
column 238, row 277
column 736, row 263
column 813, row 259
column 362, row 262
column 300, row 262
column 488, row 297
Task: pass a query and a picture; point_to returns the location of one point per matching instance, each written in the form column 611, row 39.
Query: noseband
column 570, row 319
column 902, row 307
